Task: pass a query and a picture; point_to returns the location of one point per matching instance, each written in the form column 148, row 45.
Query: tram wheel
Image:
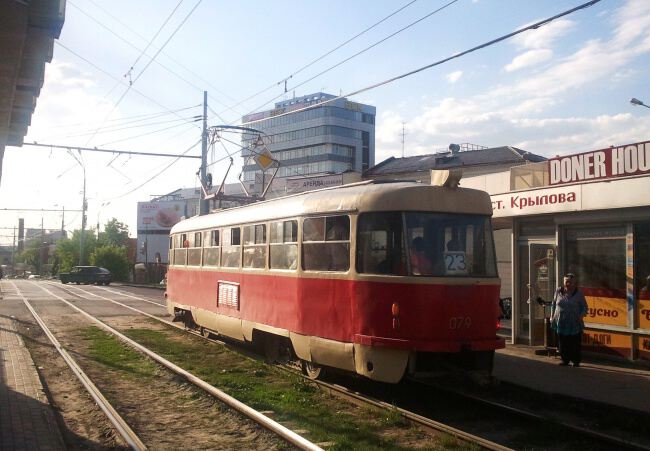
column 205, row 332
column 310, row 369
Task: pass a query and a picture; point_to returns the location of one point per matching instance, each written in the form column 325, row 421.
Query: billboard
column 622, row 161
column 153, row 216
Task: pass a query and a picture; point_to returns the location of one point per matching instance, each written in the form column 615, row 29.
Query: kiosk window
column 597, row 257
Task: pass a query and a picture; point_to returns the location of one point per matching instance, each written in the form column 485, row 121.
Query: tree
column 113, row 258
column 115, row 234
column 31, row 254
column 67, row 249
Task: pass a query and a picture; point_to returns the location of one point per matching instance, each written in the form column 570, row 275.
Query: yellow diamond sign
column 264, row 159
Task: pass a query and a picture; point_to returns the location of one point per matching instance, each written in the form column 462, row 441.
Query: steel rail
column 344, row 392
column 251, row 413
column 129, row 436
column 538, row 417
column 412, row 416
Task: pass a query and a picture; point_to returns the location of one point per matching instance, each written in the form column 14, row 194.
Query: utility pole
column 403, row 135
column 62, row 221
column 13, row 252
column 204, row 204
column 83, row 220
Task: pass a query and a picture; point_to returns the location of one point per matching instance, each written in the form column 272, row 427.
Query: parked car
column 87, row 275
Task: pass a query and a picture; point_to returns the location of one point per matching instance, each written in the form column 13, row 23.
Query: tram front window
column 450, row 245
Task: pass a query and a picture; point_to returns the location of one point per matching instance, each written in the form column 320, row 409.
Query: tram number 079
column 460, row 322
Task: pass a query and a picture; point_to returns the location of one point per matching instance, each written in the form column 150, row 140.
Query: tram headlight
column 395, row 311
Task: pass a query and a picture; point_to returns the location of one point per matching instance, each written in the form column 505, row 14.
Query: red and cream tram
column 380, row 279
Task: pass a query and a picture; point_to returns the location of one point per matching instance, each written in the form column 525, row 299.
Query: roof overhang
column 27, row 32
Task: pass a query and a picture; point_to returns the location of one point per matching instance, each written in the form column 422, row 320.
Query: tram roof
column 358, row 197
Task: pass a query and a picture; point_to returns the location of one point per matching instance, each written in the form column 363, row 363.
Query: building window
column 365, row 152
column 597, row 257
column 642, row 275
column 326, row 243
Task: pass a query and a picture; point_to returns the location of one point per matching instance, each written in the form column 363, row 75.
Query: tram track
column 424, row 421
column 121, row 426
column 621, row 443
column 332, row 389
column 281, row 431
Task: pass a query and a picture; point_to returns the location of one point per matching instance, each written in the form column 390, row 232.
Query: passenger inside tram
column 420, row 262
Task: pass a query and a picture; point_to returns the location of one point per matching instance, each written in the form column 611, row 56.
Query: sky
column 130, row 76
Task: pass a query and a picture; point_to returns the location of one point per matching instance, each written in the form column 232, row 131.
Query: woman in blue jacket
column 569, row 307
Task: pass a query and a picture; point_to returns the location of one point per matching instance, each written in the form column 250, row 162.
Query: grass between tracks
column 294, row 402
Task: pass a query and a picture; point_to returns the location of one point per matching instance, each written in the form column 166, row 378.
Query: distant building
column 475, row 161
column 335, row 137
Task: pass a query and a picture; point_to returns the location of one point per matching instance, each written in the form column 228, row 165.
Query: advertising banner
column 607, row 342
column 630, row 159
column 159, row 216
column 309, row 183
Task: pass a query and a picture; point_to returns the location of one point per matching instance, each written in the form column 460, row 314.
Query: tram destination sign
column 621, row 161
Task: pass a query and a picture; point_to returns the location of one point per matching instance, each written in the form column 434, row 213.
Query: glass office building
column 316, row 134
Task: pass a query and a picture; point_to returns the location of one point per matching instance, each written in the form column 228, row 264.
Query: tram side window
column 211, row 248
column 284, row 244
column 380, row 248
column 326, row 243
column 171, row 250
column 230, row 251
column 194, row 251
column 254, row 246
column 180, row 251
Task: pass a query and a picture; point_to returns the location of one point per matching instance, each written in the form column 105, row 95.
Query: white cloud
column 529, row 58
column 518, row 114
column 453, row 77
column 544, row 36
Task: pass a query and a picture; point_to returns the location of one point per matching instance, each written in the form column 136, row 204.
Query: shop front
column 587, row 214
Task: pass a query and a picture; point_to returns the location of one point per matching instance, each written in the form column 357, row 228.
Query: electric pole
column 204, row 204
column 83, row 220
column 403, row 135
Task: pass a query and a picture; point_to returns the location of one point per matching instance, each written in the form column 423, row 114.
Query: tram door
column 536, row 280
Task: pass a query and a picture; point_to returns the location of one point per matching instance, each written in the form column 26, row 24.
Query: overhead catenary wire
column 150, row 132
column 165, row 67
column 136, row 118
column 130, row 127
column 133, row 81
column 108, row 74
column 439, row 62
column 135, row 32
column 142, row 53
column 329, row 52
column 154, row 176
column 360, row 52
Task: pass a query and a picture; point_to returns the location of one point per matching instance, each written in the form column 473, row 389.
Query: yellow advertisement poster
column 644, row 313
column 643, row 347
column 607, row 342
column 606, row 310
